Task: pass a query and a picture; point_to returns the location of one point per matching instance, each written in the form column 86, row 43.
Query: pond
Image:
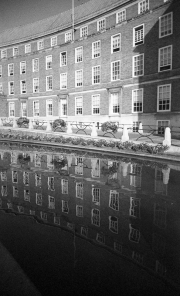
column 81, row 223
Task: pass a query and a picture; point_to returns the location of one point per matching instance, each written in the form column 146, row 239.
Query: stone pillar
column 49, row 127
column 69, row 128
column 125, row 136
column 94, row 130
column 15, row 123
column 167, row 137
column 140, row 128
column 30, row 124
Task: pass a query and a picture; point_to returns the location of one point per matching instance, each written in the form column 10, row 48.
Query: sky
column 14, row 13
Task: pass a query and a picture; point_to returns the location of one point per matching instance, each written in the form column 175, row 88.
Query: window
column 115, row 70
column 27, row 48
column 63, row 107
column 15, row 192
column 120, row 16
column 65, row 208
column 78, row 54
column 56, row 220
column 39, row 199
column 35, row 85
column 79, row 166
column 79, row 190
column 40, row 45
column 83, row 31
column 4, row 190
column 164, row 97
column 49, row 62
column 165, row 58
column 137, row 100
column 11, row 87
column 35, row 63
column 4, row 176
column 166, row 25
column 54, row 41
column 160, row 186
column 64, row 186
column 134, row 234
column 100, row 238
column 138, row 35
column 15, row 51
column 115, row 43
column 20, row 208
column 22, row 67
column 138, row 65
column 84, row 231
column 135, row 175
column 1, row 88
column 37, row 160
column 51, row 202
column 63, row 81
column 137, row 257
column 134, row 210
column 3, row 53
column 49, row 107
column 36, row 108
column 26, row 178
column 96, row 196
column 0, row 71
column 95, row 217
column 113, row 224
column 49, row 85
column 10, row 69
column 96, row 75
column 101, row 25
column 95, row 164
column 43, row 216
column 136, row 126
column 96, row 49
column 114, row 200
column 79, row 211
column 115, row 108
column 68, row 36
column 11, row 109
column 160, row 215
column 50, row 162
column 95, row 104
column 63, row 58
column 26, row 195
column 143, row 6
column 78, row 78
column 79, row 106
column 117, row 247
column 23, row 86
column 161, row 125
column 38, row 179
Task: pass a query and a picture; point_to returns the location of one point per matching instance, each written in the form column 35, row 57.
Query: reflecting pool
column 81, row 223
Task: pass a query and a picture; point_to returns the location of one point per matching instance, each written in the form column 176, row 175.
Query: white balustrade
column 140, row 129
column 94, row 130
column 69, row 128
column 125, row 135
column 15, row 123
column 30, row 124
column 49, row 126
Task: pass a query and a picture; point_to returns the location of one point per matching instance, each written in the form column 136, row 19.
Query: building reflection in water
column 128, row 206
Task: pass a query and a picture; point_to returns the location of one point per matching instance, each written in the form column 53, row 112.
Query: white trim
column 159, row 58
column 171, row 13
column 61, row 81
column 169, row 84
column 33, row 65
column 76, row 62
column 102, row 19
column 93, row 74
column 81, row 71
column 47, row 84
column 121, row 10
column 49, row 57
column 81, row 31
column 87, row 91
column 25, row 45
column 36, row 97
column 21, row 67
column 60, row 58
column 98, row 41
column 9, row 88
column 55, row 38
column 38, row 43
column 35, row 92
column 141, row 54
column 119, row 70
column 112, row 43
column 12, row 99
column 47, row 103
column 139, row 6
column 79, row 97
column 140, row 25
column 92, row 104
column 137, row 112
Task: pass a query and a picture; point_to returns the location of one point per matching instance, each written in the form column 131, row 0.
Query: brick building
column 120, row 61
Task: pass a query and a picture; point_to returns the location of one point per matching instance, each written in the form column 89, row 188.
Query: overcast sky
column 15, row 13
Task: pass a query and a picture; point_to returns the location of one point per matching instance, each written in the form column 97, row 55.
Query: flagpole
column 73, row 19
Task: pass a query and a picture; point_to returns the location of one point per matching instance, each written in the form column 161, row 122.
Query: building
column 119, row 61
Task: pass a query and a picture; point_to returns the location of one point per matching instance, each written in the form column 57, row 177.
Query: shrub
column 109, row 126
column 22, row 121
column 58, row 123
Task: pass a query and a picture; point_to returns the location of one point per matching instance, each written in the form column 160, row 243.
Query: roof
column 90, row 9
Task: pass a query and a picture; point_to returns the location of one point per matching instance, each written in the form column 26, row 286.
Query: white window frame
column 96, row 49
column 26, row 178
column 53, row 41
column 63, row 80
column 134, row 234
column 15, row 191
column 27, row 195
column 11, row 69
column 162, row 125
column 143, row 6
column 39, row 199
column 84, row 34
column 65, row 207
column 139, row 37
column 115, row 38
column 48, row 88
column 51, row 202
column 95, row 217
column 122, row 17
column 35, row 65
column 93, row 76
column 23, row 86
column 79, row 56
column 68, row 36
column 135, row 204
column 113, row 224
column 28, row 48
column 11, row 87
column 76, row 107
column 119, row 71
column 0, row 71
column 40, row 44
column 114, row 200
column 159, row 59
column 99, row 25
column 134, row 65
column 95, row 105
column 63, row 53
column 23, row 67
column 79, row 211
column 158, row 93
column 64, row 186
column 15, row 51
column 79, row 190
column 162, row 19
column 96, row 194
column 133, row 97
column 114, row 107
column 48, row 62
column 4, row 53
column 35, row 114
column 11, row 109
column 49, row 103
column 35, row 85
column 79, row 78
